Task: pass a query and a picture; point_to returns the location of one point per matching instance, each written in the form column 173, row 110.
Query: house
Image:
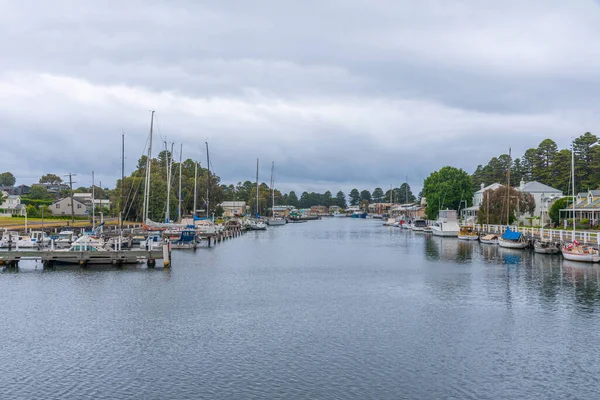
column 233, row 208
column 63, row 207
column 543, row 195
column 282, row 211
column 11, row 205
column 86, row 198
column 380, row 208
column 587, row 206
column 333, row 209
column 469, row 214
column 21, row 190
column 53, row 188
column 319, row 210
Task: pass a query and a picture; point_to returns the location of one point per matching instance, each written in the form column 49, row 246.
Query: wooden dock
column 557, row 236
column 49, row 258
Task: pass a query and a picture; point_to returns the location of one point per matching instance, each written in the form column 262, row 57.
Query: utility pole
column 195, row 186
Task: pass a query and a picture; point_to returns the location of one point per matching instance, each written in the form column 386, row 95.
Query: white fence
column 591, row 237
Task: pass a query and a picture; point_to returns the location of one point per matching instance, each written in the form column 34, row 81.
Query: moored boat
column 489, row 239
column 577, row 252
column 467, row 233
column 446, row 225
column 545, row 247
column 512, row 240
column 419, row 225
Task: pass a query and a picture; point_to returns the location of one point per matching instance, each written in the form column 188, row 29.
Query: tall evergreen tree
column 293, row 199
column 354, row 197
column 340, row 199
column 377, row 195
column 582, row 146
column 365, row 195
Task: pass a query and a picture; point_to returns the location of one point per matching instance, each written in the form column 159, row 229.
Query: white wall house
column 543, row 195
column 63, row 207
column 231, row 208
column 469, row 214
column 11, row 205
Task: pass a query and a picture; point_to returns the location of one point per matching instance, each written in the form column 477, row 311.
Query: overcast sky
column 340, row 94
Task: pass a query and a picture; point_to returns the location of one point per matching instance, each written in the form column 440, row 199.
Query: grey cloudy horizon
column 339, row 94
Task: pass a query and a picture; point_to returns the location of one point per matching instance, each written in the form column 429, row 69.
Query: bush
column 584, row 221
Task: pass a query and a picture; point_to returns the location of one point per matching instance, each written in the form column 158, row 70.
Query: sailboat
column 274, row 221
column 256, row 224
column 511, row 239
column 576, row 251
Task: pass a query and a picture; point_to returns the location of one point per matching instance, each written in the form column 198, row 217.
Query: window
column 78, row 205
column 57, row 206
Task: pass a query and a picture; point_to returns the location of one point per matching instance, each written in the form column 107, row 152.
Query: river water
column 332, row 309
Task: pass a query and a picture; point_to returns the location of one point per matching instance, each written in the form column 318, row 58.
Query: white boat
column 10, row 239
column 467, row 233
column 65, row 238
column 338, row 214
column 446, row 225
column 512, row 240
column 257, row 225
column 577, row 252
column 545, row 247
column 89, row 240
column 276, row 221
column 391, row 222
column 489, row 239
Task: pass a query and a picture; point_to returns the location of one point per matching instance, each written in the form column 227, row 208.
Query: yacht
column 446, row 225
column 512, row 240
column 419, row 225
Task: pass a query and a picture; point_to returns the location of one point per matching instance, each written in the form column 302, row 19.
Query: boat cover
column 511, row 235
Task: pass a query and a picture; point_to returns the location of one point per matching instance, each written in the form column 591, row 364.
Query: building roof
column 493, row 186
column 233, row 204
column 537, row 187
column 14, row 196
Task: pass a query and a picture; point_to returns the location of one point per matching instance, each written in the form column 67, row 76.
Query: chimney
column 482, row 185
column 522, row 185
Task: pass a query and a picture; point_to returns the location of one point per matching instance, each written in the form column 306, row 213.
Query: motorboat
column 545, row 247
column 10, row 239
column 185, row 239
column 467, row 233
column 391, row 222
column 575, row 251
column 419, row 225
column 489, row 239
column 446, row 225
column 512, row 240
column 65, row 238
column 338, row 214
column 205, row 226
column 276, row 221
column 257, row 225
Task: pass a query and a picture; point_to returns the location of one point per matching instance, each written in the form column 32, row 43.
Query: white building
column 11, row 205
column 469, row 214
column 233, row 208
column 63, row 207
column 543, row 195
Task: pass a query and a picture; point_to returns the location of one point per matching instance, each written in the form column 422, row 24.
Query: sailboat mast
column 207, row 179
column 180, row 162
column 148, row 165
column 168, row 170
column 93, row 203
column 573, row 183
column 195, row 186
column 508, row 191
column 256, row 188
column 122, row 179
column 273, row 190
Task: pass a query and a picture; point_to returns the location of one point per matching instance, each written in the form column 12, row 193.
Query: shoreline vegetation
column 449, row 187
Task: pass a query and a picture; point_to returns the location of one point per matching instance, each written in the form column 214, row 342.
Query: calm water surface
column 331, row 309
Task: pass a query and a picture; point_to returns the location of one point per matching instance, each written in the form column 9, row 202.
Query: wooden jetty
column 49, row 258
column 557, row 236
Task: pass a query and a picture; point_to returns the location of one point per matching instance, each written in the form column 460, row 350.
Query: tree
column 405, row 195
column 340, row 200
column 582, row 146
column 304, row 200
column 327, row 199
column 51, row 178
column 365, row 195
column 520, row 203
column 558, row 205
column 354, row 197
column 39, row 193
column 7, row 179
column 377, row 195
column 293, row 199
column 446, row 188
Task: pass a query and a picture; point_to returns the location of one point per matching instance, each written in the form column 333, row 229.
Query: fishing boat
column 257, row 225
column 274, row 221
column 545, row 247
column 512, row 240
column 489, row 239
column 575, row 251
column 467, row 233
column 446, row 225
